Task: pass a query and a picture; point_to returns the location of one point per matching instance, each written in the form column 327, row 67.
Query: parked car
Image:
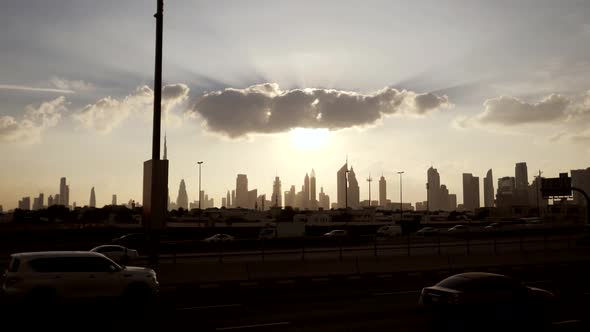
column 133, row 240
column 219, row 238
column 482, row 290
column 117, row 253
column 42, row 278
column 336, row 233
column 427, row 231
column 458, row 229
column 389, row 231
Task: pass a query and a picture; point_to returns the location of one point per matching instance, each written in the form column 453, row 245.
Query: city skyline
column 484, row 103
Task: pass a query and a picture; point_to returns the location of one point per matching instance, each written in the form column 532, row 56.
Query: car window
column 109, row 249
column 71, row 264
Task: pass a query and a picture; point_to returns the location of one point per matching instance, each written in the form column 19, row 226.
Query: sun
column 307, row 138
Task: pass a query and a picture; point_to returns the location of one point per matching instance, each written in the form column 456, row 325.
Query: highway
column 354, row 305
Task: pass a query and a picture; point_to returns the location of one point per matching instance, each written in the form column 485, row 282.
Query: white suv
column 69, row 275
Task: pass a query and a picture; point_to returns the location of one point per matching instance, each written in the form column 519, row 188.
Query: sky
column 268, row 88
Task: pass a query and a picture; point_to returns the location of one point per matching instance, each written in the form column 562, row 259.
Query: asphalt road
column 385, row 305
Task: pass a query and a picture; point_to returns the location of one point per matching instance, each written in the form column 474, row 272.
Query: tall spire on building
column 165, row 148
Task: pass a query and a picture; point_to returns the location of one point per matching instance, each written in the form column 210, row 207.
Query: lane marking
column 251, row 326
column 397, row 293
column 567, row 322
column 211, row 307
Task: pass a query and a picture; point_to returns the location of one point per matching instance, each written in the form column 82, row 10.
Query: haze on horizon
column 393, row 85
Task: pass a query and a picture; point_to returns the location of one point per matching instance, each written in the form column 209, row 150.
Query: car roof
column 108, row 246
column 479, row 275
column 43, row 254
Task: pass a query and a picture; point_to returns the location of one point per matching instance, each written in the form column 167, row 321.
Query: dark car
column 480, row 295
column 138, row 241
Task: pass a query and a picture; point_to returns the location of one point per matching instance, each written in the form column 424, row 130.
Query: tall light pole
column 369, row 179
column 401, row 205
column 200, row 196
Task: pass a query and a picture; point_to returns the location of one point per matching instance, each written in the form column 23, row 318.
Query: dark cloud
column 265, row 108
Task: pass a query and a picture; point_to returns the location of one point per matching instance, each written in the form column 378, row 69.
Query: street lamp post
column 200, row 196
column 401, row 205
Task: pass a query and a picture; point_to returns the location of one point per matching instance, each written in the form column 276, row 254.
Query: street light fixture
column 401, row 205
column 200, row 196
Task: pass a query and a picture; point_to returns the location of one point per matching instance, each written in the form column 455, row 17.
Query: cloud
column 33, row 89
column 108, row 113
column 34, row 122
column 265, row 108
column 71, row 85
column 511, row 111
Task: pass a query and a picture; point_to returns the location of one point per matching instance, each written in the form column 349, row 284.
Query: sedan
column 458, row 229
column 336, row 233
column 481, row 291
column 116, row 253
column 219, row 238
column 427, row 231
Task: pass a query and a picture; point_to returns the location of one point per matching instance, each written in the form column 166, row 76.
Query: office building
column 382, row 191
column 92, row 202
column 581, row 179
column 452, row 202
column 242, row 198
column 276, row 193
column 354, row 198
column 290, row 197
column 341, row 186
column 182, row 199
column 114, row 200
column 224, row 202
column 313, row 202
column 233, row 198
column 521, row 178
column 305, row 193
column 324, row 200
column 505, row 193
column 433, row 190
column 227, row 200
column 25, row 203
column 470, row 192
column 488, row 189
column 64, row 193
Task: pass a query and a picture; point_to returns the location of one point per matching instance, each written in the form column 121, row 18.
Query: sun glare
column 306, row 138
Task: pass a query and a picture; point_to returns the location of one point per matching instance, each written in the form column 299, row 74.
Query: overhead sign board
column 561, row 186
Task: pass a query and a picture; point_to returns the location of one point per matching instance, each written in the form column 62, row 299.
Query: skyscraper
column 182, row 200
column 242, row 191
column 233, row 198
column 50, row 201
column 382, row 192
column 313, row 202
column 354, row 198
column 227, row 200
column 324, row 200
column 488, row 189
column 276, row 193
column 341, row 186
column 25, row 203
column 290, row 197
column 224, row 202
column 64, row 193
column 305, row 193
column 470, row 192
column 521, row 177
column 114, row 202
column 92, row 202
column 433, row 190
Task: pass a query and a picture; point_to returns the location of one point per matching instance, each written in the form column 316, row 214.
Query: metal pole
column 156, row 130
column 200, row 196
column 401, row 204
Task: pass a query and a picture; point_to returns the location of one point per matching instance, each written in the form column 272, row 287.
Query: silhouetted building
column 276, row 193
column 182, row 199
column 324, row 202
column 353, row 190
column 290, row 197
column 443, row 198
column 64, row 193
column 50, row 201
column 382, row 191
column 452, row 202
column 488, row 189
column 228, row 200
column 38, row 202
column 521, row 178
column 242, row 198
column 433, row 190
column 313, row 202
column 251, row 202
column 224, row 202
column 92, row 202
column 114, row 201
column 581, row 179
column 470, row 192
column 305, row 193
column 233, row 199
column 25, row 203
column 341, row 185
column 505, row 193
